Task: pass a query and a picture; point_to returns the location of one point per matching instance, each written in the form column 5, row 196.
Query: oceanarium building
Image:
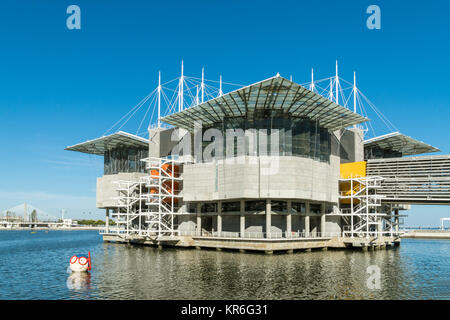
column 273, row 166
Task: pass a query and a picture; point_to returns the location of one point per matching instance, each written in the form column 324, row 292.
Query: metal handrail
column 259, row 235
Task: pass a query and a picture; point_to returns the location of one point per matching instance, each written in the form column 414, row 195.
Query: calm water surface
column 34, row 266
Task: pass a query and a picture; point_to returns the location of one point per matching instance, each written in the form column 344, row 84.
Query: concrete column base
column 218, row 249
column 268, row 252
column 241, row 250
column 308, row 250
column 290, row 251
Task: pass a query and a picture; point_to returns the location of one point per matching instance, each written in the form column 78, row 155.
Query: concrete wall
column 162, row 142
column 250, row 177
column 348, row 144
column 333, row 224
column 107, row 189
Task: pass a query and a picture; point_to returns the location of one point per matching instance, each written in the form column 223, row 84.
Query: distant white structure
column 442, row 222
column 69, row 223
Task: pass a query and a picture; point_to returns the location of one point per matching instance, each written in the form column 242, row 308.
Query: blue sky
column 59, row 87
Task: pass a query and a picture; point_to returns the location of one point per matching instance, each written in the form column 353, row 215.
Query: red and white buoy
column 81, row 264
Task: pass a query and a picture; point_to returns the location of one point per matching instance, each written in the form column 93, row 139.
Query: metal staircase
column 146, row 208
column 365, row 215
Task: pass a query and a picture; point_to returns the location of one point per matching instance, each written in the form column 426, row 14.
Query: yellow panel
column 348, row 170
column 353, row 169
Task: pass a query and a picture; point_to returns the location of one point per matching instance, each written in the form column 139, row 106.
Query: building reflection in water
column 140, row 272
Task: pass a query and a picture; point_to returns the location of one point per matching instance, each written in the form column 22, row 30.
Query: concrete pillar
column 307, row 212
column 379, row 227
column 199, row 219
column 396, row 220
column 307, row 229
column 107, row 221
column 242, row 219
column 289, row 219
column 323, row 220
column 155, row 142
column 219, row 218
column 268, row 218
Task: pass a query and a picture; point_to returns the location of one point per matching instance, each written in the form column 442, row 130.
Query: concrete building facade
column 259, row 168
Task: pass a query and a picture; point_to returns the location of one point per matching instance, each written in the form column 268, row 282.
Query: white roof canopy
column 100, row 145
column 400, row 143
column 276, row 93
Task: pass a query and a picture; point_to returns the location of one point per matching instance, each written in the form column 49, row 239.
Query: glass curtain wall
column 296, row 136
column 124, row 160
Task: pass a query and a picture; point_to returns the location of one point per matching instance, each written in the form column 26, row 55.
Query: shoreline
column 426, row 234
column 52, row 229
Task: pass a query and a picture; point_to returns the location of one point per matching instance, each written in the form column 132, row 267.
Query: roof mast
column 180, row 90
column 331, row 89
column 197, row 99
column 354, row 91
column 220, row 86
column 159, row 99
column 311, row 87
column 337, row 84
column 203, row 84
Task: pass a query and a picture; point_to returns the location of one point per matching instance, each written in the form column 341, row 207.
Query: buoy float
column 81, row 263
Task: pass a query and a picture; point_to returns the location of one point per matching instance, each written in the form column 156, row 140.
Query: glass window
column 299, row 207
column 296, row 136
column 280, row 206
column 315, row 208
column 209, row 207
column 255, row 205
column 192, row 207
column 124, row 160
column 231, row 206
